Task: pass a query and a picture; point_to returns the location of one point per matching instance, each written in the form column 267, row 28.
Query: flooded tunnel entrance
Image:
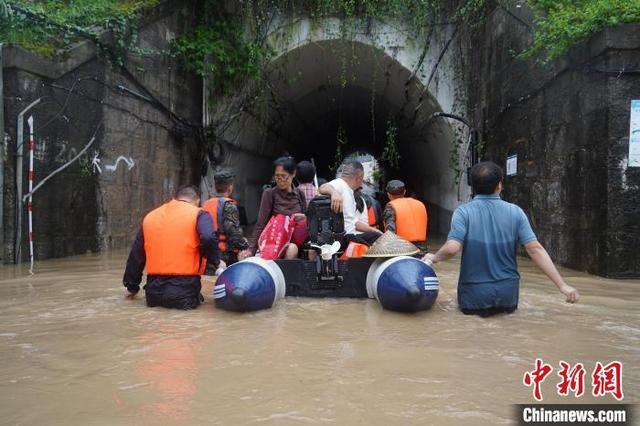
column 329, row 99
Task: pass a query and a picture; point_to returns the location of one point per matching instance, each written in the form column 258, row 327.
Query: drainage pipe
column 19, row 155
column 472, row 144
column 473, row 134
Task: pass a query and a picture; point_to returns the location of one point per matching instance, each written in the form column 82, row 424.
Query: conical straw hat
column 391, row 245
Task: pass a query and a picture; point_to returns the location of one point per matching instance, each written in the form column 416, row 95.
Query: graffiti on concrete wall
column 64, row 154
column 61, row 151
column 96, row 161
column 129, row 161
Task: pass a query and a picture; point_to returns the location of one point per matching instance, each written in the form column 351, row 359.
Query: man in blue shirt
column 488, row 231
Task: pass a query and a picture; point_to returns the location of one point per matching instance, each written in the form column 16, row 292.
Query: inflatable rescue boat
column 387, row 272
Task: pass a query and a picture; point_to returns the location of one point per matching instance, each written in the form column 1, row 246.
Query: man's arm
column 135, row 265
column 457, row 234
column 365, row 227
column 336, row 198
column 264, row 214
column 446, row 252
column 208, row 238
column 541, row 258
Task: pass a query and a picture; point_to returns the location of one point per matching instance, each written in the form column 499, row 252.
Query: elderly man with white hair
column 342, row 200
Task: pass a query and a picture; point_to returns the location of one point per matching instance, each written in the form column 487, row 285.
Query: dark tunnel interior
column 330, row 96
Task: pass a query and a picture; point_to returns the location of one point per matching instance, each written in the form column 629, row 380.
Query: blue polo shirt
column 489, row 230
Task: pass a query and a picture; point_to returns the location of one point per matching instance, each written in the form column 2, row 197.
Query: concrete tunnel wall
column 318, row 79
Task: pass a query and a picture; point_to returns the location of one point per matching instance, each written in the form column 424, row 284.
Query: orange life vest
column 371, row 212
column 411, row 219
column 354, row 250
column 171, row 241
column 215, row 207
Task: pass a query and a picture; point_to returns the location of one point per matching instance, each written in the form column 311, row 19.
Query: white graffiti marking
column 95, row 162
column 129, row 161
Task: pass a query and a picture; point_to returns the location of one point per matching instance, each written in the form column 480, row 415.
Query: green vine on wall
column 49, row 25
column 561, row 24
column 85, row 167
column 454, row 155
column 391, row 152
column 217, row 51
column 341, row 142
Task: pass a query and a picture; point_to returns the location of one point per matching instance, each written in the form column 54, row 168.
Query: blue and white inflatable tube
column 249, row 285
column 403, row 284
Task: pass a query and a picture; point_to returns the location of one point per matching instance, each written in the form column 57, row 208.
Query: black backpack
column 325, row 226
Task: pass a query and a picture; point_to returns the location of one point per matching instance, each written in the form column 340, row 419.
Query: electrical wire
column 115, row 107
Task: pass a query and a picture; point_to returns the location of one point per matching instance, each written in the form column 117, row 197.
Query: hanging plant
column 218, row 52
column 341, row 141
column 390, row 152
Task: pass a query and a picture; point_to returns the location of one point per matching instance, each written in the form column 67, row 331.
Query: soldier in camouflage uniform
column 388, row 214
column 226, row 218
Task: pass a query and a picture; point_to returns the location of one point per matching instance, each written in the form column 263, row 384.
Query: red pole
column 32, row 146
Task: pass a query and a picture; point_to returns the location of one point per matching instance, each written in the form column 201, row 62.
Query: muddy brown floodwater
column 73, row 351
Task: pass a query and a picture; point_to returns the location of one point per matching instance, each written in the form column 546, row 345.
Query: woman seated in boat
column 283, row 199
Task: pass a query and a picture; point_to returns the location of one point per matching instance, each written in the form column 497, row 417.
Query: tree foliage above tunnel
column 45, row 26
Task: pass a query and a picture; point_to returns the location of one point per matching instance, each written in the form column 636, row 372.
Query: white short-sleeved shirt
column 348, row 204
column 362, row 216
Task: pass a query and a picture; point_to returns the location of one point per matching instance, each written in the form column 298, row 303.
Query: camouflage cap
column 223, row 176
column 395, row 187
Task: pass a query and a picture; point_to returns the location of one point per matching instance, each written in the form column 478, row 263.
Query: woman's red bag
column 275, row 237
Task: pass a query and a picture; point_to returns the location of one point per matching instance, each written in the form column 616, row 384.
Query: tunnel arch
column 321, row 88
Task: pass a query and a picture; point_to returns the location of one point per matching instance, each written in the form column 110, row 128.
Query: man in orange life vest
column 173, row 243
column 226, row 220
column 407, row 217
